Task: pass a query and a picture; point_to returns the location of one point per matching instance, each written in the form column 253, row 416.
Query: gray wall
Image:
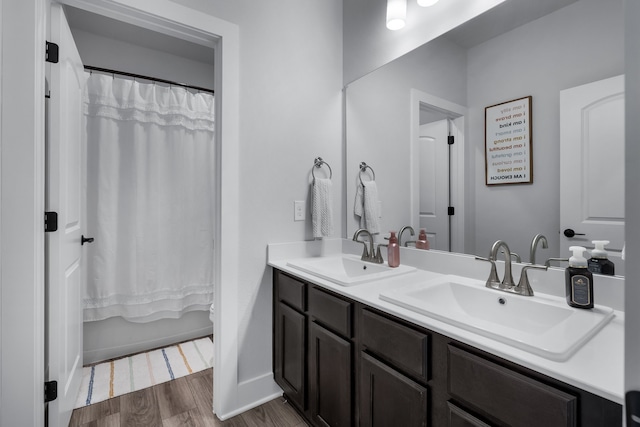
column 378, row 110
column 290, row 113
column 578, row 44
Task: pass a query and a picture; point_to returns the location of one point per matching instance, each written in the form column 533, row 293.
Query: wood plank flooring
column 182, row 402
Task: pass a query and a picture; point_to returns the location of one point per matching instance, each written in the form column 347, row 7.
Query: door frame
column 22, row 207
column 22, row 75
column 457, row 113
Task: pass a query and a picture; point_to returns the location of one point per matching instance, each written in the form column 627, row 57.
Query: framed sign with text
column 507, row 142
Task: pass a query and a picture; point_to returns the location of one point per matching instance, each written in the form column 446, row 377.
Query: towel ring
column 363, row 168
column 318, row 162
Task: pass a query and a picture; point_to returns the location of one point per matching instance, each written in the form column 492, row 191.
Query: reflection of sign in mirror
column 507, row 142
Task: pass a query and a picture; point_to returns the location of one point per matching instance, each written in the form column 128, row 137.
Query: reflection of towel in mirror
column 321, row 210
column 366, row 206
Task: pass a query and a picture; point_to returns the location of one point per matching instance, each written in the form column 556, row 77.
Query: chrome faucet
column 406, row 227
column 523, row 287
column 534, row 245
column 507, row 280
column 368, row 255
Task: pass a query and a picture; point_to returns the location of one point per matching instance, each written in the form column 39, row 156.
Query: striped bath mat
column 121, row 376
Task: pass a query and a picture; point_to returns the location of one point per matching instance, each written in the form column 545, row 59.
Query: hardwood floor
column 182, row 402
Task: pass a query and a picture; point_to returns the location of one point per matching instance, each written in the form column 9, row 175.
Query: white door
column 433, row 170
column 65, row 177
column 592, row 166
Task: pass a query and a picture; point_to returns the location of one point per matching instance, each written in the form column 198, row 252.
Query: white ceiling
column 118, row 30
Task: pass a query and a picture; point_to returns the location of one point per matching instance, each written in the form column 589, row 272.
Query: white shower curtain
column 150, row 204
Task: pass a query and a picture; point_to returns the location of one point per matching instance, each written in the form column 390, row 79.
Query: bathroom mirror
column 450, row 81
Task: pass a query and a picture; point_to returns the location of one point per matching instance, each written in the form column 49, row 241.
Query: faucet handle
column 379, row 258
column 493, row 281
column 365, row 251
column 547, row 263
column 523, row 287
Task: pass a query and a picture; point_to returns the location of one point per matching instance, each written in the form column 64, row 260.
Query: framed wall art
column 507, row 142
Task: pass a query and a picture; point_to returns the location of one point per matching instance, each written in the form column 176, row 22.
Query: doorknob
column 84, row 240
column 570, row 233
column 632, row 400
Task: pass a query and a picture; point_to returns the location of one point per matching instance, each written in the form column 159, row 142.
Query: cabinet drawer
column 401, row 346
column 505, row 395
column 332, row 311
column 291, row 291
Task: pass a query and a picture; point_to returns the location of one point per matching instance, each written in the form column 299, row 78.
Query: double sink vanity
column 427, row 343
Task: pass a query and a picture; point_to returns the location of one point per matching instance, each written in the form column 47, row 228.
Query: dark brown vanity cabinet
column 342, row 363
column 313, row 351
column 289, row 339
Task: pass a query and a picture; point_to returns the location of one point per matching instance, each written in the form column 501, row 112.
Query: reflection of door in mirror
column 433, row 165
column 437, row 170
column 592, row 166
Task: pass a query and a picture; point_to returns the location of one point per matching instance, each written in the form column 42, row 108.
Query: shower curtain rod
column 140, row 76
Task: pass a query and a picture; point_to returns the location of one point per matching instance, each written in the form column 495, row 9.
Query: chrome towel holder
column 318, row 162
column 363, row 169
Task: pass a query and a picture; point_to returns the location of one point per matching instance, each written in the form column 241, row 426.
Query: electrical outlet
column 298, row 210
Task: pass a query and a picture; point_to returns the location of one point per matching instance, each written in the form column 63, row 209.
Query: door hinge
column 451, row 210
column 50, row 391
column 50, row 222
column 450, row 139
column 51, row 54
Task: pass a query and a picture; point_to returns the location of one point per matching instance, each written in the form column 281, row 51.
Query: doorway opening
column 111, row 44
column 204, row 34
column 438, row 170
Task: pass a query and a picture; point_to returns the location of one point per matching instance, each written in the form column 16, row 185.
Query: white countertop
column 597, row 367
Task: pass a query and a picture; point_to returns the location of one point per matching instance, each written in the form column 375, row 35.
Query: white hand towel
column 358, row 206
column 321, row 210
column 370, row 207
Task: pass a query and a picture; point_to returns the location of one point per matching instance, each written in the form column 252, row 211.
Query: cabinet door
column 330, row 384
column 388, row 398
column 289, row 356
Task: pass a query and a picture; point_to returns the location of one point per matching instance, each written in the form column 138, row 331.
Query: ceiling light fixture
column 427, row 3
column 396, row 14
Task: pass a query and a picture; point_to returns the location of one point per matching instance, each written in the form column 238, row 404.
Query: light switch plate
column 298, row 210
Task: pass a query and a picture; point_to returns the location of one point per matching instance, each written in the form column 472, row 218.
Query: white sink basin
column 347, row 270
column 543, row 324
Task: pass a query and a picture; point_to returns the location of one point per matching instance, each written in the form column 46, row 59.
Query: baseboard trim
column 254, row 392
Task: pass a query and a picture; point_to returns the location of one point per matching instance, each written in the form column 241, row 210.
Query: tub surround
column 596, row 367
column 116, row 337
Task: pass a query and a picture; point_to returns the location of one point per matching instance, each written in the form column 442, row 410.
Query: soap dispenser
column 599, row 261
column 422, row 242
column 393, row 251
column 579, row 280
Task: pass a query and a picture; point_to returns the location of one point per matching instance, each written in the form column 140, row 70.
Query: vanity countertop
column 597, row 367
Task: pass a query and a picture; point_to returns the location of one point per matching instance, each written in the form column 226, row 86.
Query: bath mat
column 117, row 377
